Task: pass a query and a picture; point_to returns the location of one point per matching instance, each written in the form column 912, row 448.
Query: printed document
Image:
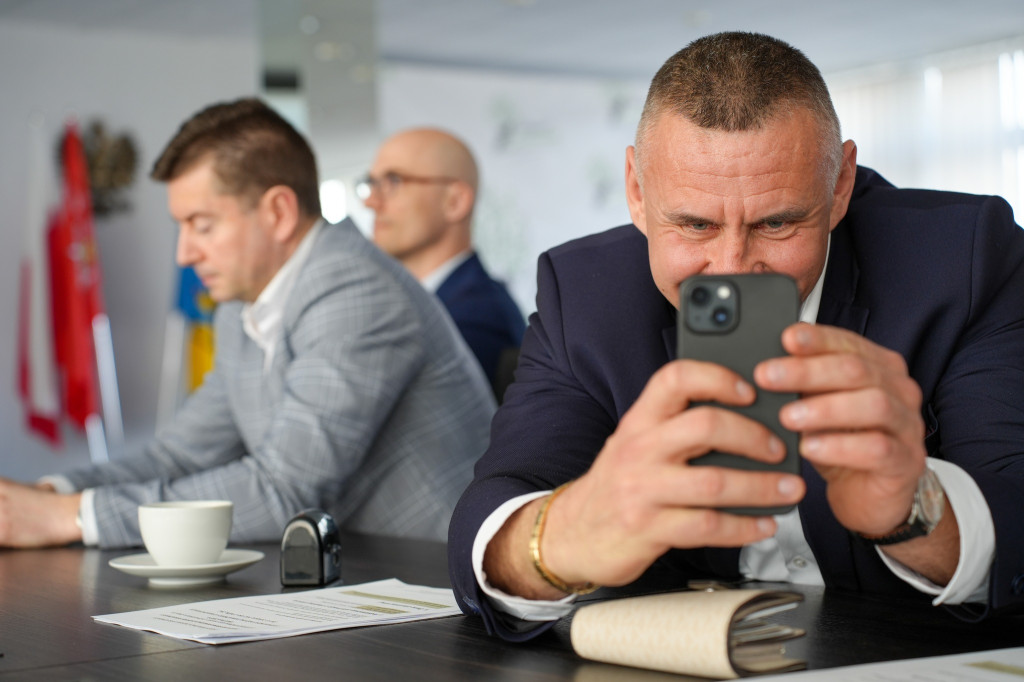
column 245, row 619
column 999, row 665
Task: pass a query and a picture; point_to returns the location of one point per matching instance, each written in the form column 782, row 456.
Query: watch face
column 932, row 499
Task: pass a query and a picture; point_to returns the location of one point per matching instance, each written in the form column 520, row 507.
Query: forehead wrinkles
column 777, row 164
column 719, row 191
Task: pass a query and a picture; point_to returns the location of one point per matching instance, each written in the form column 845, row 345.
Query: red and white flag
column 37, row 373
column 57, row 354
column 75, row 277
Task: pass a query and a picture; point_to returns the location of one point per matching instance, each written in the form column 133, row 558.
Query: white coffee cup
column 187, row 533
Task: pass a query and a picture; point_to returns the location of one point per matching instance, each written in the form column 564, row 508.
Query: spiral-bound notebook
column 720, row 634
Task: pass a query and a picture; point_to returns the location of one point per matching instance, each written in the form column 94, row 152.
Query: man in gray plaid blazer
column 339, row 382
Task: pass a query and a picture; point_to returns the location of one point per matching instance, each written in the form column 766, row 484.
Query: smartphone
column 737, row 321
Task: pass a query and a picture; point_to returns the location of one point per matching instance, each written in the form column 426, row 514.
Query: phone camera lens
column 700, row 296
column 720, row 316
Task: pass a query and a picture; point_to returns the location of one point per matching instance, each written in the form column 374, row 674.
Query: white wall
column 952, row 121
column 145, row 84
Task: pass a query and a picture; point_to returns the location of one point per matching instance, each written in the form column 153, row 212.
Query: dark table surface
column 47, row 599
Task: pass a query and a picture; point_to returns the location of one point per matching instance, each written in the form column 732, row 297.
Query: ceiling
column 632, row 38
column 178, row 17
column 600, row 37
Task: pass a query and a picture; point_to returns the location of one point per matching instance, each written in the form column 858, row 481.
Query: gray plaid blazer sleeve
column 373, row 409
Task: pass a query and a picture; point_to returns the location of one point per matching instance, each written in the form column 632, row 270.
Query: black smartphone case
column 766, row 304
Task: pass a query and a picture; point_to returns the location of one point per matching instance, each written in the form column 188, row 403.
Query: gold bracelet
column 538, row 563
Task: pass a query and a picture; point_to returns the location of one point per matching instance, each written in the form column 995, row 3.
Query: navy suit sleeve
column 488, row 328
column 567, row 428
column 978, row 404
column 484, row 312
column 939, row 278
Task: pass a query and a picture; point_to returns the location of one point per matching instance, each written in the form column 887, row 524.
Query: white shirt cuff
column 977, row 547
column 60, row 483
column 520, row 607
column 87, row 513
column 86, row 509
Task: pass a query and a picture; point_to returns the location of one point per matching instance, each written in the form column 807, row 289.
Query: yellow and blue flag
column 197, row 308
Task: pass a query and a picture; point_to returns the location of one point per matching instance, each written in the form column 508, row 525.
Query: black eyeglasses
column 388, row 183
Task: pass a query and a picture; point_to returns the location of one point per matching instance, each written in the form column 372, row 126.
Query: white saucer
column 179, row 576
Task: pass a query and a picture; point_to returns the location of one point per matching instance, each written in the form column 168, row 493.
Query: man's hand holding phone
column 644, row 494
column 858, row 412
column 860, row 416
column 641, row 497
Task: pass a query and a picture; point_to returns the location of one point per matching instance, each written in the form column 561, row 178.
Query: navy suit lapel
column 837, row 298
column 831, row 543
column 469, row 274
column 670, row 335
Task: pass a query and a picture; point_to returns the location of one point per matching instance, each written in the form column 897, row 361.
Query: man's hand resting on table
column 32, row 516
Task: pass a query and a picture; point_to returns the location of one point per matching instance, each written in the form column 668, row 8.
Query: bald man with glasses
column 422, row 189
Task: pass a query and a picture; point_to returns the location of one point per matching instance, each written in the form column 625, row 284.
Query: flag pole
column 109, row 394
column 97, row 442
column 172, row 369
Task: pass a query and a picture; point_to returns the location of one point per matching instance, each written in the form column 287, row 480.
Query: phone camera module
column 710, row 305
column 700, row 296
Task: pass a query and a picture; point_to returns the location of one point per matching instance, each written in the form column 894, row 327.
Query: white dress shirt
column 262, row 318
column 786, row 556
column 261, row 321
column 435, row 279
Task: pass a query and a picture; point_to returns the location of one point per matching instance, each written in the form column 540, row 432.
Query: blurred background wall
column 546, row 92
column 141, row 80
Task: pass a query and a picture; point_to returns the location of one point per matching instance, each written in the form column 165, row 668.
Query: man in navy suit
column 422, row 188
column 909, row 362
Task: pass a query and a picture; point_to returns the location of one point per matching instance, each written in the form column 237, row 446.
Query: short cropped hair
column 739, row 81
column 253, row 149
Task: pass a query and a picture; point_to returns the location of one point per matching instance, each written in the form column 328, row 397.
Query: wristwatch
column 925, row 513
